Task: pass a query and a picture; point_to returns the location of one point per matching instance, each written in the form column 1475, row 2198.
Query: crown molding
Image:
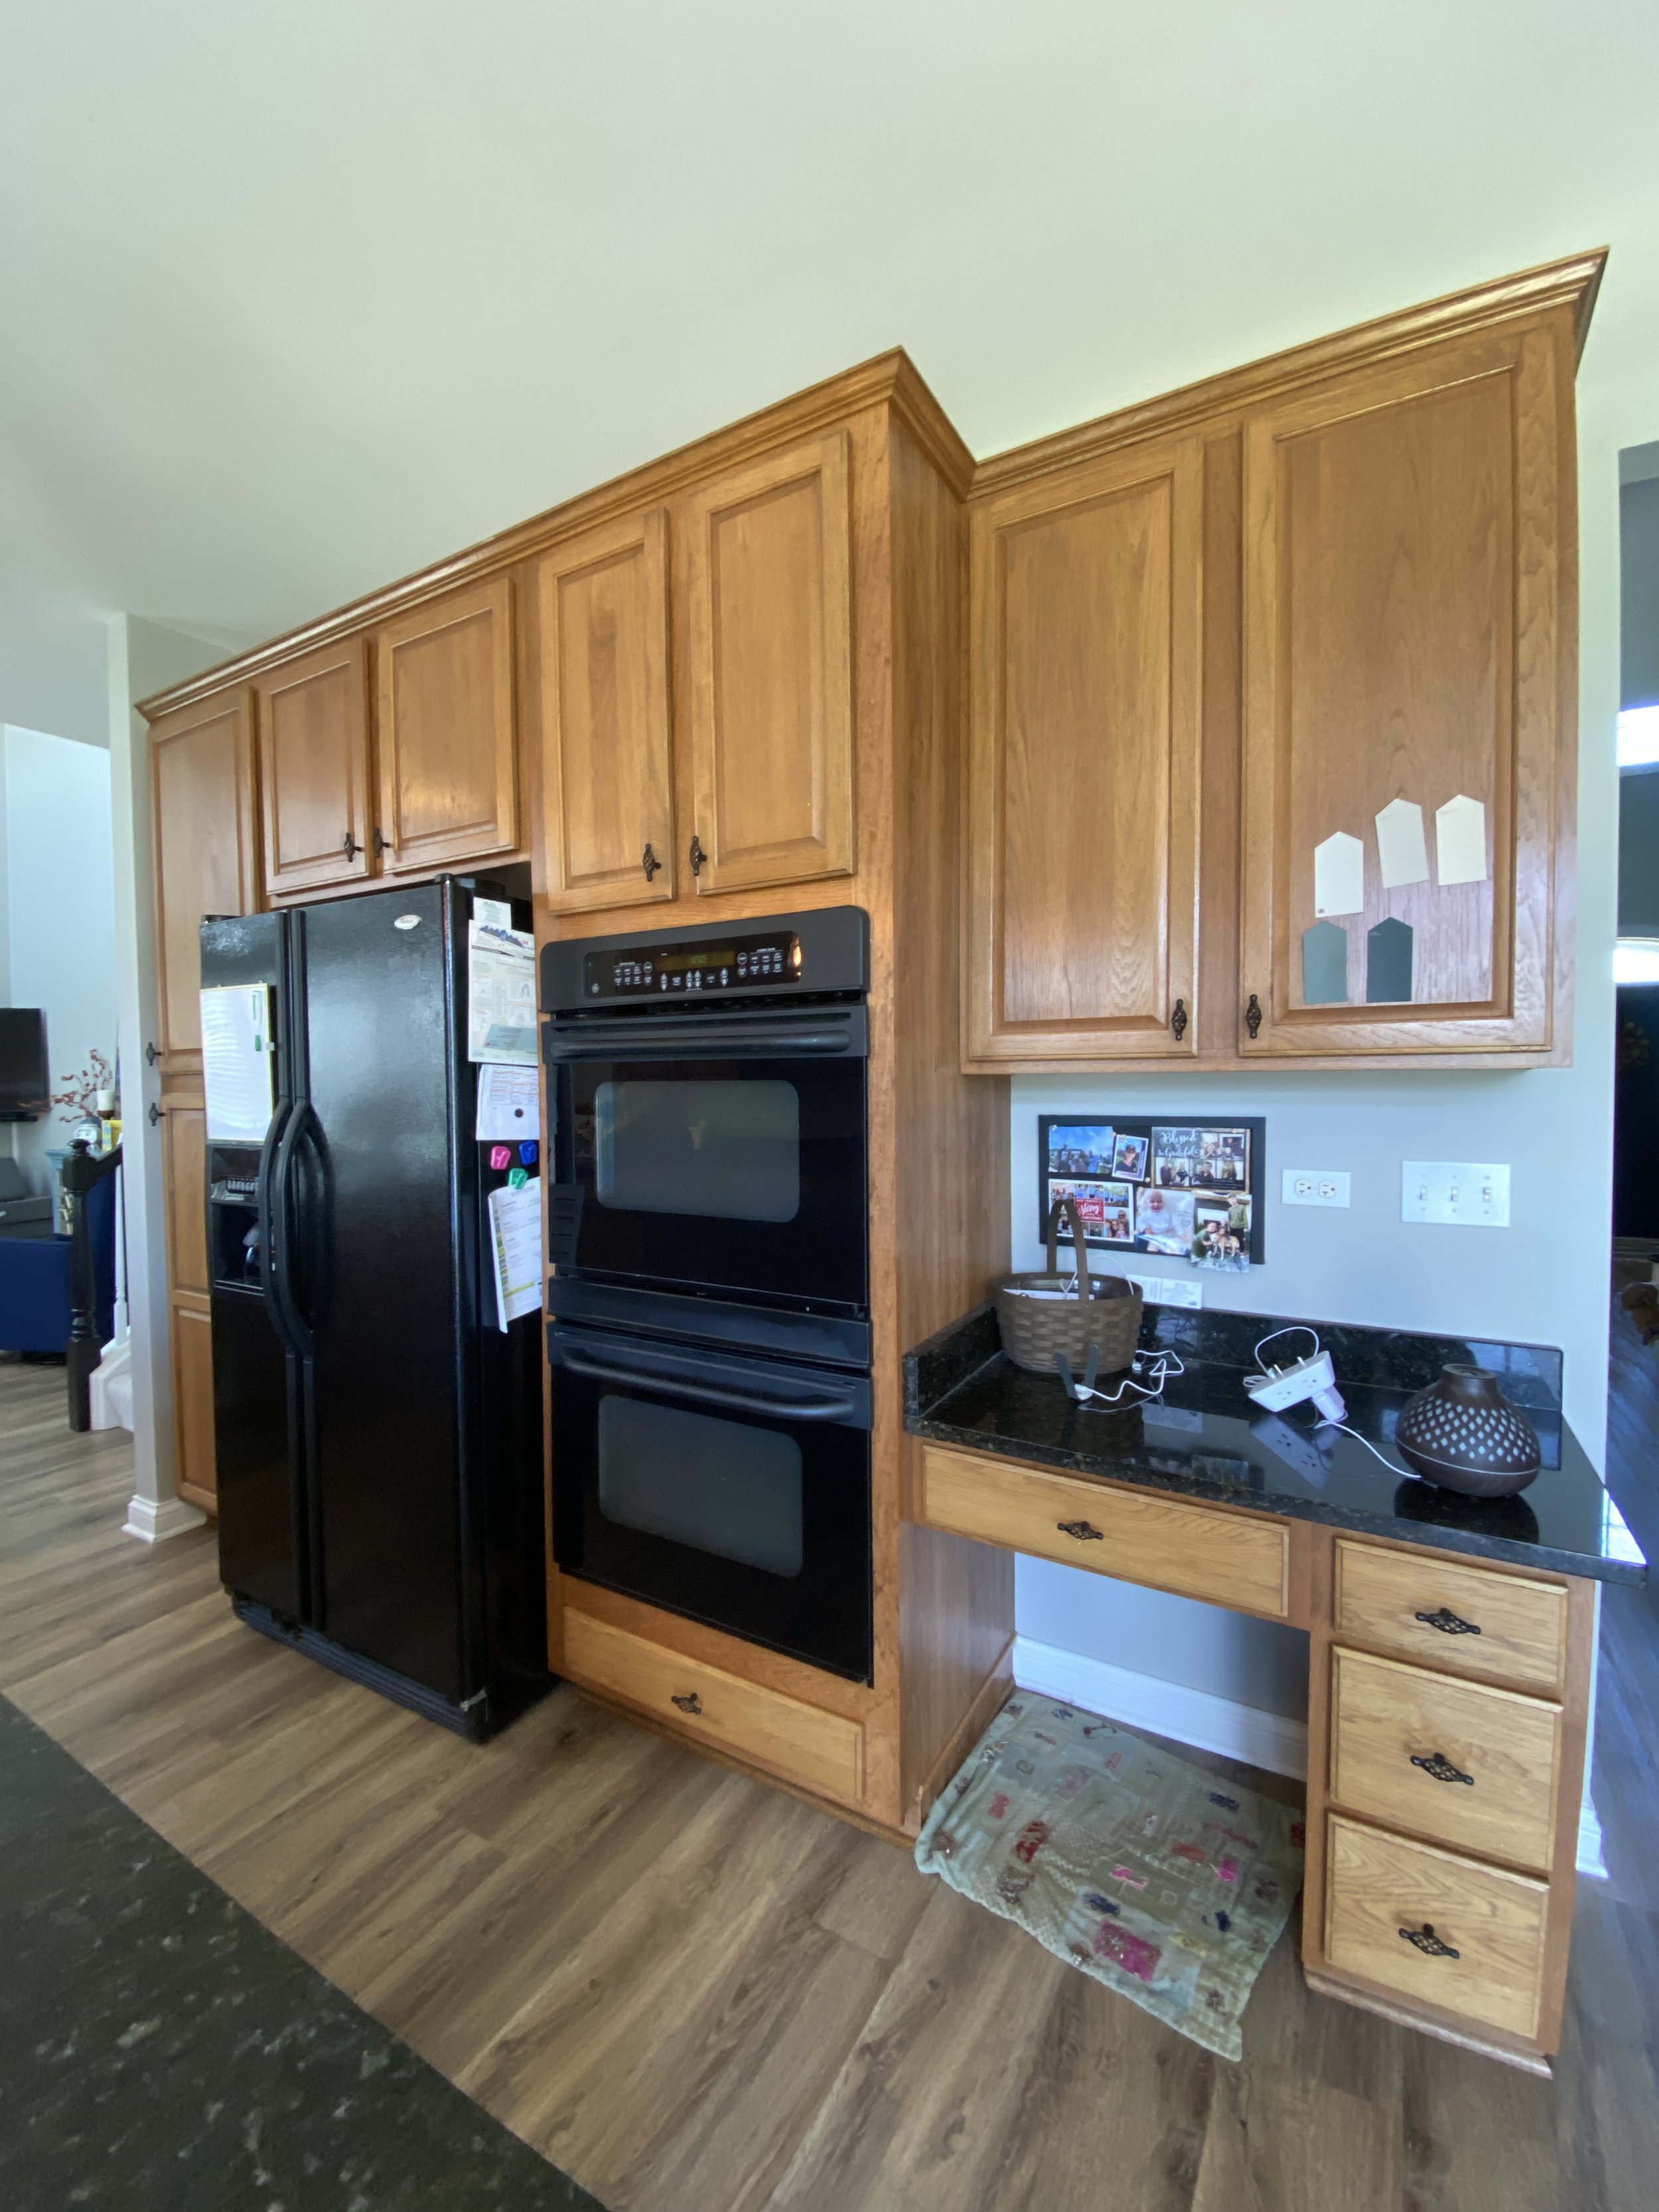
column 890, row 379
column 1571, row 283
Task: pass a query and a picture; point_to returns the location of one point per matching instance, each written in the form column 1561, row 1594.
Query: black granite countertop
column 1207, row 1440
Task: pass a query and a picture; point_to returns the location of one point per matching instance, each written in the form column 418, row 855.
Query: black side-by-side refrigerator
column 378, row 1436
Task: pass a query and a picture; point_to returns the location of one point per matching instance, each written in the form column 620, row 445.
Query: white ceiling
column 294, row 298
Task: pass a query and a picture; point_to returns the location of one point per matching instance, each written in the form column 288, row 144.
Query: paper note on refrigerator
column 1460, row 836
column 1399, row 844
column 238, row 1061
column 508, row 1104
column 515, row 1242
column 1339, row 875
column 501, row 999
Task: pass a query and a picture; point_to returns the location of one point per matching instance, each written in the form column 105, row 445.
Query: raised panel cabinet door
column 443, row 732
column 602, row 640
column 1409, row 653
column 313, row 769
column 184, row 1167
column 1084, row 724
column 206, row 845
column 769, row 578
column 194, row 1470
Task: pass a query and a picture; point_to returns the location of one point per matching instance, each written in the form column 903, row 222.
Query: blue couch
column 34, row 1281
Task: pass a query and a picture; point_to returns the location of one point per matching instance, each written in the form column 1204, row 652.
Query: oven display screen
column 734, row 963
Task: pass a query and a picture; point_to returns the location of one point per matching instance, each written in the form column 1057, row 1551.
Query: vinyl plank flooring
column 697, row 1995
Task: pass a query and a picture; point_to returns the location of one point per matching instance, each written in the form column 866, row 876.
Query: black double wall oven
column 708, row 1328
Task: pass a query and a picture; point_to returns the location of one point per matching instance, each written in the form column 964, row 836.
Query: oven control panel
column 728, row 963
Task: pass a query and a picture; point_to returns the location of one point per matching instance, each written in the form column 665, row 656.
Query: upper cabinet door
column 1408, row 586
column 602, row 639
column 313, row 769
column 206, row 857
column 769, row 564
column 1085, row 729
column 443, row 732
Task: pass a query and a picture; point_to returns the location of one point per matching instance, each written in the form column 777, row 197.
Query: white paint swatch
column 1460, row 829
column 1399, row 844
column 1339, row 875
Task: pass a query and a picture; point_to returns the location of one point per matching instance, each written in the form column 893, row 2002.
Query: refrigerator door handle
column 296, row 1329
column 270, row 1279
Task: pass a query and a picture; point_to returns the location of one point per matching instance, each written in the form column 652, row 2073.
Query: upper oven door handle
column 766, row 1033
column 668, row 1376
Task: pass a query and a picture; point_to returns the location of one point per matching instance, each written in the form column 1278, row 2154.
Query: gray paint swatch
column 1325, row 965
column 1389, row 962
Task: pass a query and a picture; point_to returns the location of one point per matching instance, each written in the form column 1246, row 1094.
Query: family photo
column 1191, row 1159
column 1079, row 1149
column 1106, row 1209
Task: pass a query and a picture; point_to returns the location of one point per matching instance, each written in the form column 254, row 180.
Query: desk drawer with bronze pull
column 1467, row 1764
column 821, row 1751
column 1197, row 1550
column 1460, row 1619
column 1437, row 1929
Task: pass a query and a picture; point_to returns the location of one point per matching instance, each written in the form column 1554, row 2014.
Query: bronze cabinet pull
column 698, row 856
column 693, row 1704
column 1252, row 1015
column 1449, row 1623
column 380, row 844
column 1085, row 1531
column 650, row 863
column 1428, row 1942
column 349, row 846
column 1178, row 1019
column 1440, row 1767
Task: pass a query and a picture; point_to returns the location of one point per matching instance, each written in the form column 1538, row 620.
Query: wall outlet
column 1463, row 1193
column 1314, row 1187
column 1169, row 1291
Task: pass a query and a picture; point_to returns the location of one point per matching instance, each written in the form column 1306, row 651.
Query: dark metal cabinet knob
column 154, row 1113
column 152, row 1053
column 693, row 1704
column 1449, row 1623
column 379, row 843
column 1427, row 1941
column 349, row 846
column 1440, row 1767
column 698, row 856
column 1085, row 1531
column 1178, row 1019
column 650, row 863
column 1252, row 1015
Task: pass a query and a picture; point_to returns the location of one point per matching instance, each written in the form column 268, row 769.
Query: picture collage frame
column 1183, row 1188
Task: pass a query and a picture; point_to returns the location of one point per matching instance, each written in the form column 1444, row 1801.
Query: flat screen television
column 24, row 1082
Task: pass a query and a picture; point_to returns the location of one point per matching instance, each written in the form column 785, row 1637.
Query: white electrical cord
column 1160, row 1366
column 1301, row 1329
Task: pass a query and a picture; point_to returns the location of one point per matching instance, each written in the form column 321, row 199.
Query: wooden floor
column 698, row 1996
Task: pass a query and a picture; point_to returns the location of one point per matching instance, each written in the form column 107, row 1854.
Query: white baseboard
column 152, row 1519
column 1204, row 1721
column 1145, row 1701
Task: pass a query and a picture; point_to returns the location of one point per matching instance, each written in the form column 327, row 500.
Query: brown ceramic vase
column 1463, row 1434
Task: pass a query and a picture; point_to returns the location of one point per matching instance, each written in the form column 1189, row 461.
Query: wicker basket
column 1105, row 1312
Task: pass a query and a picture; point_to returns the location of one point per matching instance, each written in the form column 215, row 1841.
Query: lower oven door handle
column 842, row 1406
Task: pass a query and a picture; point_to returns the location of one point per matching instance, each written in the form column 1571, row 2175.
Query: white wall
column 1543, row 1280
column 60, row 921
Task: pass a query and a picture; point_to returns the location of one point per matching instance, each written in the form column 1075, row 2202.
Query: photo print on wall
column 1187, row 1190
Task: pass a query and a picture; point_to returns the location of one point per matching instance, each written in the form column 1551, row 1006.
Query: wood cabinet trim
column 889, row 379
column 1571, row 283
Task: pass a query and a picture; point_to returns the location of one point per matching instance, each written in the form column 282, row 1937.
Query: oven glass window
column 728, row 1149
column 730, row 1487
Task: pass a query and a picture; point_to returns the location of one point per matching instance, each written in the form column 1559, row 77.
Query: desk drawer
column 1460, row 1619
column 1385, row 1716
column 1197, row 1550
column 821, row 1751
column 1376, row 1885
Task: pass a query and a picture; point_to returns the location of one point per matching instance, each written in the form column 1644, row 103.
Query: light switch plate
column 1463, row 1194
column 1316, row 1186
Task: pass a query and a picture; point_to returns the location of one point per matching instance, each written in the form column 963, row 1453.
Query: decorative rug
column 162, row 2051
column 1153, row 1875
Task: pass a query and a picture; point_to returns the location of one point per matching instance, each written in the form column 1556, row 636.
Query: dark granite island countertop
column 1207, row 1440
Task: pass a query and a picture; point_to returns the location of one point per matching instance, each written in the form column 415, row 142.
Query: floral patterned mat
column 1153, row 1875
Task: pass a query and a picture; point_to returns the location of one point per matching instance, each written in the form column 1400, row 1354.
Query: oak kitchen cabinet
column 315, row 773
column 735, row 771
column 1226, row 631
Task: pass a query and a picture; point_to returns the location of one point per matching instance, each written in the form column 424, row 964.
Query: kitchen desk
column 1451, row 1640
